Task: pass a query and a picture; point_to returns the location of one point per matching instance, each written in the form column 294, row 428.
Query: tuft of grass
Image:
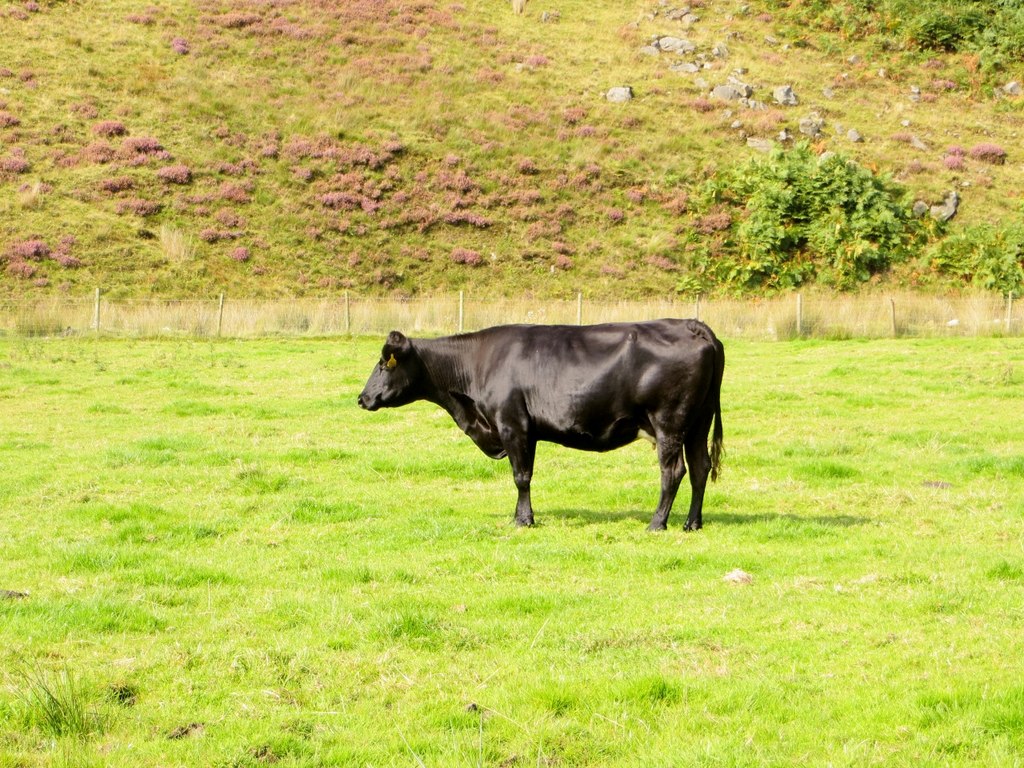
column 57, row 703
column 176, row 246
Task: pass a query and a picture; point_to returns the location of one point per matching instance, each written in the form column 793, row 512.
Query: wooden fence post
column 696, row 309
column 1009, row 311
column 96, row 312
column 892, row 316
column 462, row 310
column 799, row 314
column 579, row 308
column 220, row 315
column 348, row 316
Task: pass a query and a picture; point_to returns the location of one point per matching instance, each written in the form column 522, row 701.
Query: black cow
column 594, row 388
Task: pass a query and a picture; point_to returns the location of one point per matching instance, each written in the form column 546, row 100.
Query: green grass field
column 227, row 563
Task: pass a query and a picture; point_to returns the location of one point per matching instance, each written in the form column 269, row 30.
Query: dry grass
column 176, row 246
column 820, row 316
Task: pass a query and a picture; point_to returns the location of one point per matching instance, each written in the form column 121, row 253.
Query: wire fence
column 779, row 317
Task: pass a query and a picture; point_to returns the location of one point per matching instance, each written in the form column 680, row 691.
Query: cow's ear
column 397, row 343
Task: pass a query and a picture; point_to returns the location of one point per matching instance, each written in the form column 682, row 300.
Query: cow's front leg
column 521, row 451
column 670, row 457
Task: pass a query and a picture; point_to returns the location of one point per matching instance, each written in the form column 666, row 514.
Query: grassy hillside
column 308, row 147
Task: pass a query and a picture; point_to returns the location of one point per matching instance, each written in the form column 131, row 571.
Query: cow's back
column 594, row 386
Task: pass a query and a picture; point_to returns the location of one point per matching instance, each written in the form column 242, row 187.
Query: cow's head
column 397, row 378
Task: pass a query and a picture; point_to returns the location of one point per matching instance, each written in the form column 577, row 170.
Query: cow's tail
column 717, row 448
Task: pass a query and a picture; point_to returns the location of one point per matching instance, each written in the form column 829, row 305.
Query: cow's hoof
column 524, row 523
column 692, row 526
column 657, row 527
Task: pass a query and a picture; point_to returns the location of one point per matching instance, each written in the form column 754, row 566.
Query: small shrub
column 954, row 162
column 14, row 164
column 138, row 206
column 945, row 30
column 234, row 193
column 33, row 249
column 109, row 128
column 21, row 269
column 615, row 215
column 7, row 120
column 141, row 145
column 988, row 152
column 240, row 254
column 117, row 184
column 467, row 257
column 180, row 46
column 175, row 174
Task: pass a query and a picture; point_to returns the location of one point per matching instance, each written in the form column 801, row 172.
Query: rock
column 690, row 18
column 720, row 51
column 770, row 40
column 649, row 50
column 550, row 17
column 920, row 209
column 855, row 59
column 735, row 124
column 916, row 143
column 677, row 14
column 785, row 135
column 828, row 93
column 619, row 94
column 811, row 126
column 738, row 576
column 761, row 145
column 785, row 96
column 678, row 45
column 754, row 104
column 687, row 67
column 947, row 209
column 726, row 93
column 1013, row 88
column 854, row 135
column 745, row 91
column 915, row 93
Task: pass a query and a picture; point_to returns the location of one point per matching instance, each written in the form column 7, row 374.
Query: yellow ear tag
column 391, row 363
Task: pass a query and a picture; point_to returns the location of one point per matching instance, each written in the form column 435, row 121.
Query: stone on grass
column 785, row 96
column 619, row 94
column 738, row 576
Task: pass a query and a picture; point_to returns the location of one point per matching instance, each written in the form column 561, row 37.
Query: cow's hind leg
column 670, row 457
column 699, row 461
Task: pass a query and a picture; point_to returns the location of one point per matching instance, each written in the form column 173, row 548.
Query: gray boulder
column 619, row 94
column 947, row 209
column 1013, row 88
column 687, row 67
column 761, row 145
column 811, row 126
column 746, row 91
column 920, row 209
column 678, row 45
column 785, row 96
column 720, row 51
column 854, row 135
column 726, row 93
